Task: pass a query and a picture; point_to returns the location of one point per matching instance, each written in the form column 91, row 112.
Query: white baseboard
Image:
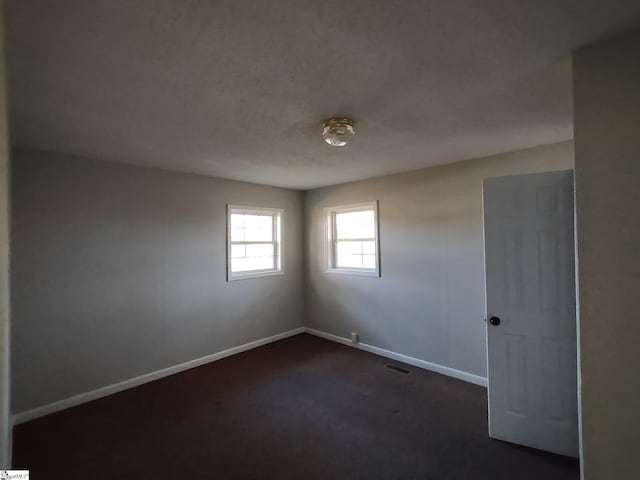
column 142, row 379
column 434, row 367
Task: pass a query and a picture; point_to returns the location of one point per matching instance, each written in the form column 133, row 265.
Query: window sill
column 246, row 276
column 356, row 272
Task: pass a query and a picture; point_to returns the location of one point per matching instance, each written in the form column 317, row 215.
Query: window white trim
column 278, row 219
column 330, row 238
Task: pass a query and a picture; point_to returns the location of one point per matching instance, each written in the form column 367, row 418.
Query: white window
column 254, row 244
column 352, row 233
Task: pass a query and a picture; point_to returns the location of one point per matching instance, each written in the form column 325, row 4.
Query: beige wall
column 5, row 432
column 119, row 271
column 607, row 157
column 429, row 302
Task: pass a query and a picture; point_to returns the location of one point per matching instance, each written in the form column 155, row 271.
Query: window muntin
column 254, row 242
column 352, row 233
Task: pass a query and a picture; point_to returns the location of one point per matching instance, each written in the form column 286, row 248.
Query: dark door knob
column 495, row 321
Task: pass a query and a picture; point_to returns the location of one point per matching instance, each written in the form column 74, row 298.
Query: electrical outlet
column 354, row 337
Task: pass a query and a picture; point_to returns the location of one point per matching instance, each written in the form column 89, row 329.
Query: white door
column 531, row 314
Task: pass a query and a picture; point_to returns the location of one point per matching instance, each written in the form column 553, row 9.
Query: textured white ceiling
column 239, row 89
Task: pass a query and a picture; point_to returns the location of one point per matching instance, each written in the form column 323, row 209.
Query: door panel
column 529, row 255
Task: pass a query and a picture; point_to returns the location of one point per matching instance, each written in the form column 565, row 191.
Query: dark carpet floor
column 302, row 408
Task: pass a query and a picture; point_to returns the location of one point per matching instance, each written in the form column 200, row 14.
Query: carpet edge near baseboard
column 416, row 362
column 101, row 392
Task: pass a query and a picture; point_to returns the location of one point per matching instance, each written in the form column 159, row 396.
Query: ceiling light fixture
column 337, row 132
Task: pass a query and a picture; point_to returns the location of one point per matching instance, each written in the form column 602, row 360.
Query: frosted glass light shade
column 338, row 132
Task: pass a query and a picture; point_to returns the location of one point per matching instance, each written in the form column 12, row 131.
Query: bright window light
column 353, row 240
column 254, row 242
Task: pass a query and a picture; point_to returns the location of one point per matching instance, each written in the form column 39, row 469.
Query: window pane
column 369, row 261
column 349, row 248
column 349, row 261
column 258, row 228
column 253, row 241
column 352, row 232
column 237, row 220
column 355, row 225
column 260, row 250
column 349, row 254
column 253, row 256
column 369, row 248
column 252, row 263
column 251, row 228
column 356, row 254
column 237, row 234
column 238, row 251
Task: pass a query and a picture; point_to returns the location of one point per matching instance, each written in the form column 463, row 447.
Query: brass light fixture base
column 338, row 131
